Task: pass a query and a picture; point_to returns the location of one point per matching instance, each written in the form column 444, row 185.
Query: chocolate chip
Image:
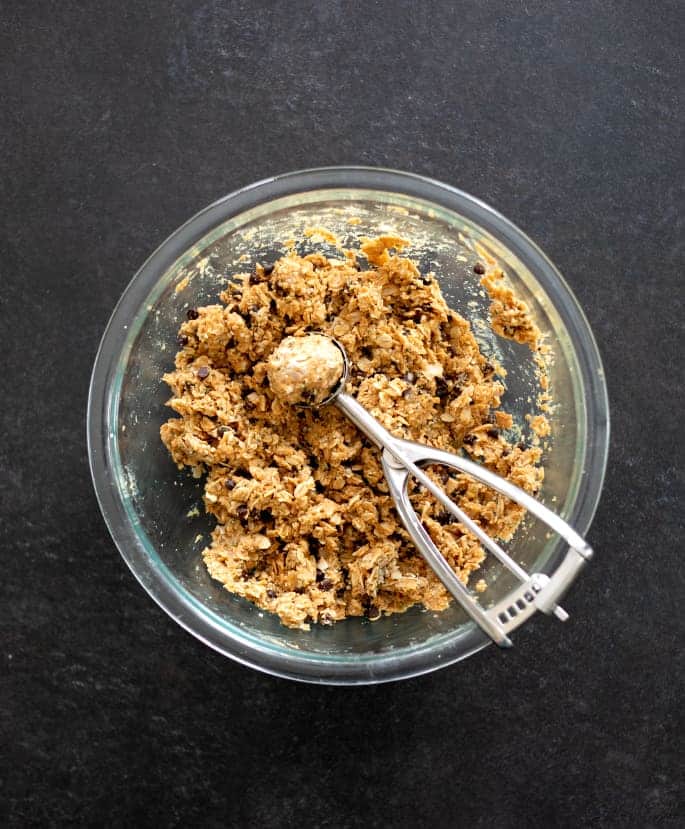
column 272, row 594
column 417, row 316
column 192, row 313
column 266, row 515
column 469, row 440
column 242, row 473
column 372, row 612
column 254, row 279
column 229, row 483
column 242, row 512
column 426, row 279
column 182, row 340
column 326, row 584
column 446, row 518
column 522, row 446
column 367, row 352
column 203, row 372
column 479, row 268
column 441, row 386
column 313, row 462
column 492, row 433
column 319, row 487
column 314, row 547
column 268, row 270
column 273, row 305
column 488, row 369
column 320, row 576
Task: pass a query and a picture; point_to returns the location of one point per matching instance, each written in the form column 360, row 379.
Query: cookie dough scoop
column 312, row 370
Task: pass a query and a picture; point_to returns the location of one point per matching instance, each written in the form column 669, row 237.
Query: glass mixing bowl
column 149, row 505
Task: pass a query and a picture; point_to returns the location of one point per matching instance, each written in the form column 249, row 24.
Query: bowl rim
column 189, row 613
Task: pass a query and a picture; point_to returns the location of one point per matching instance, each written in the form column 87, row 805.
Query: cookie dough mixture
column 305, row 527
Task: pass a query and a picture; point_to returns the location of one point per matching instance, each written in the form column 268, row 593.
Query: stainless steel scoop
column 402, row 458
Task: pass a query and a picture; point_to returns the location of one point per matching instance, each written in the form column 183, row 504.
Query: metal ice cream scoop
column 402, row 458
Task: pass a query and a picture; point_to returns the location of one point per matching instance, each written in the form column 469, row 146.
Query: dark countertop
column 121, row 120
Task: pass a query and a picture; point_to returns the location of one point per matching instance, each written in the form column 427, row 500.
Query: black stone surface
column 119, row 121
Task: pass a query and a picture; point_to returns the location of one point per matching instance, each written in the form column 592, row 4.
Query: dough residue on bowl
column 305, row 526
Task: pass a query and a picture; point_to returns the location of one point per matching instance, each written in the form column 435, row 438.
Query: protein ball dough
column 305, row 527
column 305, row 370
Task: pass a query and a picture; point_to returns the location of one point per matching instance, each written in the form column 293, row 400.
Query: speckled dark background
column 119, row 121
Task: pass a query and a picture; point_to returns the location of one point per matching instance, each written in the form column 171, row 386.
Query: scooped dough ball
column 305, row 370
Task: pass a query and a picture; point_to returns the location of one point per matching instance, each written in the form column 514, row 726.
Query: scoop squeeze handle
column 402, row 458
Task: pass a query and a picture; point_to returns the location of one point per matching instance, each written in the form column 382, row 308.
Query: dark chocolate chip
column 268, row 270
column 242, row 473
column 273, row 305
column 446, row 518
column 319, row 487
column 229, row 483
column 326, row 584
column 426, row 279
column 192, row 313
column 488, row 369
column 469, row 440
column 182, row 340
column 479, row 268
column 320, row 576
column 493, row 433
column 313, row 462
column 314, row 546
column 522, row 446
column 272, row 594
column 254, row 279
column 367, row 352
column 203, row 372
column 266, row 515
column 441, row 386
column 417, row 316
column 242, row 512
column 373, row 613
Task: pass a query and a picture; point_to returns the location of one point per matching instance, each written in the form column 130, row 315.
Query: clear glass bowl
column 146, row 501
